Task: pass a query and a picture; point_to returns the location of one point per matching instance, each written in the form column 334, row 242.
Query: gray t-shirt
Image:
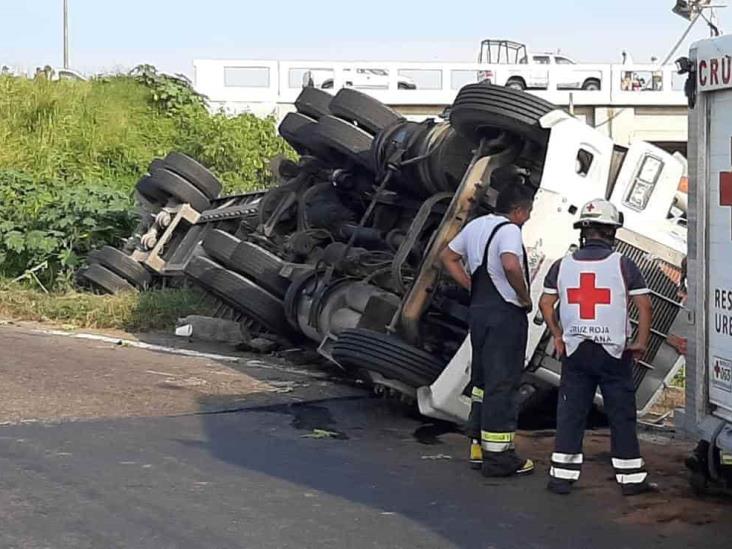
column 471, row 243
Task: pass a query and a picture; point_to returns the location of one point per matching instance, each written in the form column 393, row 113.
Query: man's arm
column 453, row 263
column 515, row 276
column 546, row 305
column 640, row 294
column 645, row 317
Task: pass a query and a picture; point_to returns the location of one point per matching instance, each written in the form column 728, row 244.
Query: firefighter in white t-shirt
column 491, row 249
column 595, row 287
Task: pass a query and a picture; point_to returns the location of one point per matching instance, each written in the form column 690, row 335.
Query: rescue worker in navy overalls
column 491, row 248
column 594, row 287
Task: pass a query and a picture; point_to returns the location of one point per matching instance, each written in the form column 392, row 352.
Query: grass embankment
column 147, row 311
column 71, row 153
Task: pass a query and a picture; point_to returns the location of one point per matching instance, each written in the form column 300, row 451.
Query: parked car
column 370, row 79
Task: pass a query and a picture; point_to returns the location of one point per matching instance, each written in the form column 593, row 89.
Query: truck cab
column 642, row 181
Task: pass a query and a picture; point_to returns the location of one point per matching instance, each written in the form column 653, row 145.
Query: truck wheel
column 102, row 278
column 313, row 102
column 298, row 130
column 178, row 188
column 240, row 293
column 261, row 266
column 346, row 139
column 151, row 192
column 367, row 112
column 220, row 245
column 156, row 164
column 387, row 355
column 194, row 173
column 480, row 109
column 122, row 265
column 592, row 84
column 516, row 84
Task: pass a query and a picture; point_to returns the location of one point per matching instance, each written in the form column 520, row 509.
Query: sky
column 110, row 35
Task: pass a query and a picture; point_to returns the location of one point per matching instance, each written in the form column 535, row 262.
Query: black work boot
column 505, row 464
column 559, row 486
column 644, row 487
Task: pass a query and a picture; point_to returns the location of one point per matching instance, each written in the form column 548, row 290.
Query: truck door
column 719, row 248
column 565, row 74
column 538, row 76
column 646, row 187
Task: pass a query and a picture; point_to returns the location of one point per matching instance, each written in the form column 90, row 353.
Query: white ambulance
column 709, row 373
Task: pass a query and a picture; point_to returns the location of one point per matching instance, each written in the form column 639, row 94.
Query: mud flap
column 445, row 398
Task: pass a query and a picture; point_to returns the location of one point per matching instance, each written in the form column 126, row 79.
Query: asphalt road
column 257, row 474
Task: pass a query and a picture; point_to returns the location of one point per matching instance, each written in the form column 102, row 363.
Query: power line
column 66, row 34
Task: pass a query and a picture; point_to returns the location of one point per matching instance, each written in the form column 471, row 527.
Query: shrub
column 48, row 227
column 71, row 152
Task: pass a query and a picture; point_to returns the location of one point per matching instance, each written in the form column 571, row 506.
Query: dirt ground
column 73, row 379
column 674, row 505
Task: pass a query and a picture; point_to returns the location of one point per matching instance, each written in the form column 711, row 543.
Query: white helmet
column 599, row 212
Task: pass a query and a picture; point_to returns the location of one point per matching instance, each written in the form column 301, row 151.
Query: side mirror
column 684, row 65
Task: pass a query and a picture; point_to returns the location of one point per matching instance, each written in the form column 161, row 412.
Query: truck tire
column 299, row 130
column 261, row 266
column 516, row 84
column 104, row 279
column 122, row 265
column 480, row 109
column 367, row 112
column 194, row 173
column 151, row 192
column 313, row 102
column 220, row 245
column 240, row 293
column 156, row 164
column 174, row 186
column 346, row 139
column 592, row 84
column 387, row 355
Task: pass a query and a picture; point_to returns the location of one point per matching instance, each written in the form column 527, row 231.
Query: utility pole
column 66, row 34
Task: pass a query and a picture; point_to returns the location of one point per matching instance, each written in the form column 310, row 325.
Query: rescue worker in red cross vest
column 595, row 287
column 491, row 248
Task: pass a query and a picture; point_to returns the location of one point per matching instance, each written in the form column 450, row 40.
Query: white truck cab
column 642, row 181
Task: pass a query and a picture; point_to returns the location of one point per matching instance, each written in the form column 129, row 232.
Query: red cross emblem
column 590, row 207
column 588, row 296
column 725, row 189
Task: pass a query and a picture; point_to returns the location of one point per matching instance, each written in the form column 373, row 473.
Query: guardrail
column 236, row 83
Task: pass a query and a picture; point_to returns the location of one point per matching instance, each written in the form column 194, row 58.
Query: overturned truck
column 343, row 253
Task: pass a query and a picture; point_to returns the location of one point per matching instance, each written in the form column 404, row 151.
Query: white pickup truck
column 532, row 70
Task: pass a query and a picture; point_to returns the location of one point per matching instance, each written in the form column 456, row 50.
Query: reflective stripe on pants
column 566, row 466
column 497, row 442
column 630, row 471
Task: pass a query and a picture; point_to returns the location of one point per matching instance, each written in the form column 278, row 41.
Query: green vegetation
column 133, row 312
column 71, row 152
